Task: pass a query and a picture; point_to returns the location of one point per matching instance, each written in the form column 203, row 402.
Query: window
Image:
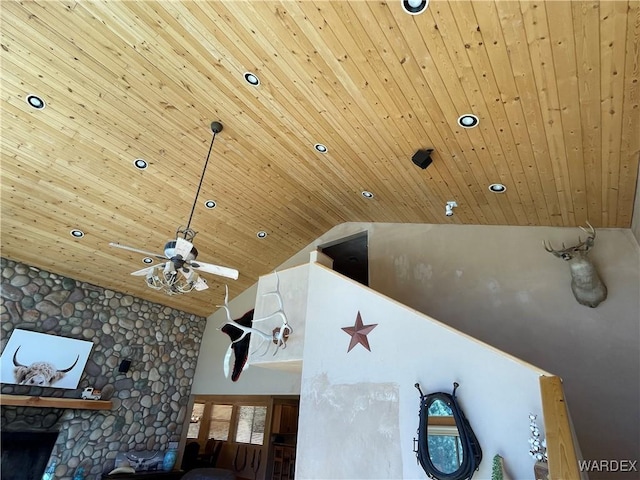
column 220, row 421
column 251, row 423
column 196, row 418
column 238, row 419
column 445, row 449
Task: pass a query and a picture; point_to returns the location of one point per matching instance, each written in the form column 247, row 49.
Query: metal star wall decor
column 359, row 333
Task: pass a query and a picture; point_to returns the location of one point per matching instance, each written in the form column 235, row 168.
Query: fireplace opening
column 25, row 454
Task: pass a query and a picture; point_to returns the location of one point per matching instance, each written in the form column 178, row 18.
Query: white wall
column 499, row 285
column 359, row 409
column 635, row 219
column 292, row 287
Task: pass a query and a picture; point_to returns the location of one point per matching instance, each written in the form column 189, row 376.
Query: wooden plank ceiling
column 554, row 84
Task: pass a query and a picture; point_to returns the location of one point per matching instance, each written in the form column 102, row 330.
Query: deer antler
column 591, row 235
column 591, row 232
column 230, row 321
column 245, row 330
column 281, row 333
column 548, row 248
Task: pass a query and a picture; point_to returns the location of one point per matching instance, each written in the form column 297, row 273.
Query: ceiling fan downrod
column 216, row 127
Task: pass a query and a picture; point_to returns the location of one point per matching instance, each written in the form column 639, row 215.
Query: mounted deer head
column 585, row 282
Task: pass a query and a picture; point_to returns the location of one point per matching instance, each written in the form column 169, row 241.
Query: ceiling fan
column 180, row 271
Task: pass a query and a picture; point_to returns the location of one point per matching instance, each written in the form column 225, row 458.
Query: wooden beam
column 55, row 402
column 561, row 450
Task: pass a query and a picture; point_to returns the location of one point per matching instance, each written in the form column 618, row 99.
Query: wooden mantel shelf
column 55, row 402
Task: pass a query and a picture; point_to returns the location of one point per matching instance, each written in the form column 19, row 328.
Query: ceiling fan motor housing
column 170, row 251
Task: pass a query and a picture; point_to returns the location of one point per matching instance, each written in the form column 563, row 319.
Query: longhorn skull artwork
column 41, row 374
column 586, row 284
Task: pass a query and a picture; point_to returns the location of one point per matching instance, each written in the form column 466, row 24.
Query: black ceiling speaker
column 422, row 158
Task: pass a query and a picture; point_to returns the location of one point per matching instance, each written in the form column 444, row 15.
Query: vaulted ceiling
column 554, row 85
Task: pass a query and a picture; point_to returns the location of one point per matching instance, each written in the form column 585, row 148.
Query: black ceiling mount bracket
column 216, row 127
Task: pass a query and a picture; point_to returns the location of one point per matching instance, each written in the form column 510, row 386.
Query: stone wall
column 149, row 402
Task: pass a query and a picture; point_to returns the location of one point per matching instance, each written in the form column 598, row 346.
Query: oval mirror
column 447, row 448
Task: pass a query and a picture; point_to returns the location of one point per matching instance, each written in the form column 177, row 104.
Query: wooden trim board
column 55, row 402
column 561, row 450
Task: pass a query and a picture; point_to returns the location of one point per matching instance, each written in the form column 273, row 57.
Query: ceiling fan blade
column 144, row 271
column 215, row 269
column 183, row 247
column 131, row 249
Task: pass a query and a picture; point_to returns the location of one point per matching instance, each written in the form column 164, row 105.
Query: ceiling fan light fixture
column 497, row 188
column 252, row 79
column 179, row 273
column 75, row 233
column 414, row 7
column 36, row 101
column 321, row 148
column 468, row 120
column 140, row 163
column 210, row 204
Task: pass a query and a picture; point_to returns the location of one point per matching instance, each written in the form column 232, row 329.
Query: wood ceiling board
column 512, row 33
column 630, row 151
column 555, row 85
column 613, row 32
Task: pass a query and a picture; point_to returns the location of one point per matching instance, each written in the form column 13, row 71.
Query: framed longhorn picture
column 41, row 360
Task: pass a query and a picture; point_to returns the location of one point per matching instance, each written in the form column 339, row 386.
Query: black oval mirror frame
column 470, row 453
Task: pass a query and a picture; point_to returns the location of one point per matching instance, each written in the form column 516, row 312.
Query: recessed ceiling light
column 77, row 233
column 367, row 194
column 210, row 204
column 497, row 188
column 252, row 79
column 147, row 260
column 414, row 7
column 321, row 148
column 261, row 234
column 36, row 102
column 468, row 120
column 140, row 163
